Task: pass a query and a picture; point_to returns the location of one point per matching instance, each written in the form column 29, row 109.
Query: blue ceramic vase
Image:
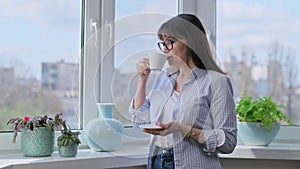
column 37, row 142
column 104, row 133
column 255, row 134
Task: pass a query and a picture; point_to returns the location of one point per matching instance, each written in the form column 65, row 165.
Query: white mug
column 157, row 60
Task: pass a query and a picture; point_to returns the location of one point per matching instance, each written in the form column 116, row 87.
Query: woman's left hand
column 166, row 129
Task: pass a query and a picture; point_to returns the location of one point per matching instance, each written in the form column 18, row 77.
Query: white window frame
column 100, row 13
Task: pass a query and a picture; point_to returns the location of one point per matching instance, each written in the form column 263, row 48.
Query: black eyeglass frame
column 168, row 44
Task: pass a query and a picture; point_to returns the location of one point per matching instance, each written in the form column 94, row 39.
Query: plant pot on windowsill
column 250, row 133
column 37, row 134
column 68, row 142
column 259, row 121
column 37, row 142
column 69, row 150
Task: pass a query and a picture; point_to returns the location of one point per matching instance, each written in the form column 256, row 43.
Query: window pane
column 258, row 44
column 135, row 34
column 39, row 52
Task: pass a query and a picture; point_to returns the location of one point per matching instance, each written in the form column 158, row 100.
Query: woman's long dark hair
column 188, row 27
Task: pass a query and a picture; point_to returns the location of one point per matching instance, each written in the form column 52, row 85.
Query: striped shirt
column 166, row 117
column 206, row 102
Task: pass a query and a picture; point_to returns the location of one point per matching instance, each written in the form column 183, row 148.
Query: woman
column 192, row 102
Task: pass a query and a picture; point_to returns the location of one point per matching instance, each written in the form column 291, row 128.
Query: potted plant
column 259, row 120
column 68, row 142
column 37, row 133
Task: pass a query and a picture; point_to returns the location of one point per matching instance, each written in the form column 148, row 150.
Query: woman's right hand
column 143, row 72
column 143, row 69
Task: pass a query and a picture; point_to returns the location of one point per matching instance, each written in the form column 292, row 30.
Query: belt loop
column 156, row 149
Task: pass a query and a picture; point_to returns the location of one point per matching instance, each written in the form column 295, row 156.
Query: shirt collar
column 195, row 73
column 172, row 71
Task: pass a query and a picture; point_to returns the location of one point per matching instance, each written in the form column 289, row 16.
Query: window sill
column 136, row 155
column 124, row 156
column 275, row 151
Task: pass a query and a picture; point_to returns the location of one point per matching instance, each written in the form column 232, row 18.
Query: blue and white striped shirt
column 206, row 102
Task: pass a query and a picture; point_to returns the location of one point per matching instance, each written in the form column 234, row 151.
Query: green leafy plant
column 34, row 122
column 264, row 111
column 67, row 137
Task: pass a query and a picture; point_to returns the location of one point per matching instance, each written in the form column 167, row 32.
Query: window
column 39, row 52
column 104, row 13
column 136, row 24
column 126, row 32
column 117, row 36
column 258, row 44
column 83, row 29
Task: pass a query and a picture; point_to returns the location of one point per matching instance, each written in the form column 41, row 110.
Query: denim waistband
column 164, row 158
column 160, row 150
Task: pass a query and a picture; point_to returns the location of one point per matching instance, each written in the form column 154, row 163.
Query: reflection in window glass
column 258, row 44
column 39, row 52
column 135, row 34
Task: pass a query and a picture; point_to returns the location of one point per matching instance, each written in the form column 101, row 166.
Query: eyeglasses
column 167, row 44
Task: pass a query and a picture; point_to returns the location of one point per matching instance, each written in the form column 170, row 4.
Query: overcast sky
column 35, row 31
column 256, row 24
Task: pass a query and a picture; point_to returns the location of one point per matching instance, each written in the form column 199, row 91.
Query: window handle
column 108, row 28
column 93, row 27
column 110, row 32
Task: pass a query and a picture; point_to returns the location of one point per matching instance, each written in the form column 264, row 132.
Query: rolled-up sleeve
column 141, row 115
column 222, row 111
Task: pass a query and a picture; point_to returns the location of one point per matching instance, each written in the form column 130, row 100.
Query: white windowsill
column 124, row 156
column 275, row 151
column 135, row 155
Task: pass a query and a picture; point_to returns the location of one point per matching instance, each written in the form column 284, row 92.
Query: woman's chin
column 171, row 61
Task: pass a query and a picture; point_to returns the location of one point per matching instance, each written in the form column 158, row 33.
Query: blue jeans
column 164, row 159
